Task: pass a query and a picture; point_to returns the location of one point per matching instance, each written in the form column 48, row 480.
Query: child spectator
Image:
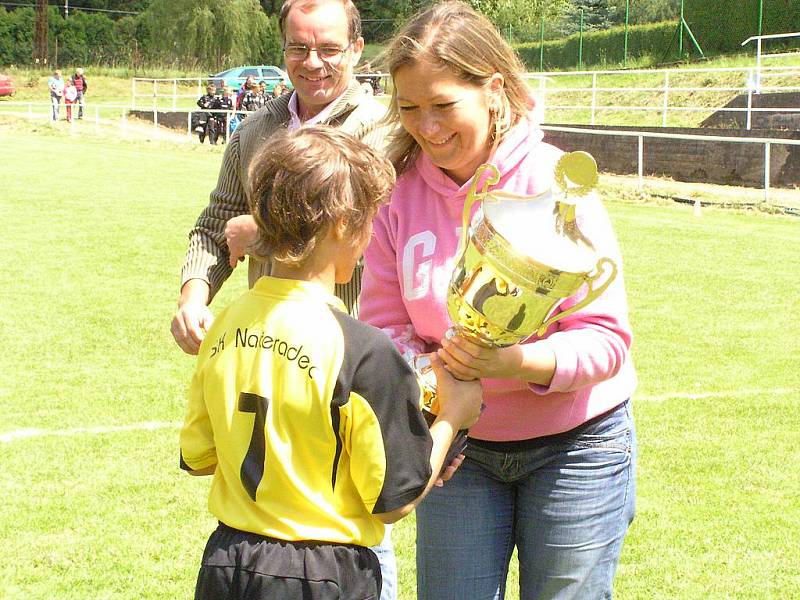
column 81, row 87
column 309, row 419
column 70, row 96
column 250, row 100
column 248, row 83
column 225, row 103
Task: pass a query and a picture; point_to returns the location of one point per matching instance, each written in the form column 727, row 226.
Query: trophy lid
column 531, row 227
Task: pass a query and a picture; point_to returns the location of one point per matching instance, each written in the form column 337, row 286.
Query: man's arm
column 193, row 318
column 206, row 266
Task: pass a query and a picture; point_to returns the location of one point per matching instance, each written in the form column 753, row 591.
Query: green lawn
column 92, row 389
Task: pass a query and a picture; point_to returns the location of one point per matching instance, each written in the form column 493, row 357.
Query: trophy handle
column 472, row 197
column 590, row 296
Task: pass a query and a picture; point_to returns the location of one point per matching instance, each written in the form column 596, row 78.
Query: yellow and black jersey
column 310, row 416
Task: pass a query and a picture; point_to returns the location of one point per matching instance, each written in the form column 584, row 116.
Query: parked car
column 235, row 77
column 6, row 85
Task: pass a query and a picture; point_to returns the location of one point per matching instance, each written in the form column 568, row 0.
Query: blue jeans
column 55, row 101
column 565, row 506
column 385, row 553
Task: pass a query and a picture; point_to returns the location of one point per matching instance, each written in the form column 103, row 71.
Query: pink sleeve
column 381, row 301
column 592, row 344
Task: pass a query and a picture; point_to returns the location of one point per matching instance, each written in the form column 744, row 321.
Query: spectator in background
column 250, row 100
column 280, row 90
column 70, row 97
column 205, row 122
column 225, row 103
column 243, row 90
column 262, row 94
column 371, row 81
column 56, row 85
column 81, row 87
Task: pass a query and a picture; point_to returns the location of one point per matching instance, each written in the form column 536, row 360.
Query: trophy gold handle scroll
column 593, row 292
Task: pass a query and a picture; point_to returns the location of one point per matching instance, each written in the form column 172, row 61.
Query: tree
column 651, row 11
column 597, row 14
column 215, row 33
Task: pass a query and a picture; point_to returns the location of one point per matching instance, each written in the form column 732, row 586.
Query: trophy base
column 459, row 441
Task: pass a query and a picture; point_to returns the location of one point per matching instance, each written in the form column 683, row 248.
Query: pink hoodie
column 408, row 266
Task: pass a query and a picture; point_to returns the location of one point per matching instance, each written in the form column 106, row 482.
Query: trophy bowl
column 519, row 258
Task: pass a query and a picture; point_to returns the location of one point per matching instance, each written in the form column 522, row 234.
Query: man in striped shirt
column 322, row 45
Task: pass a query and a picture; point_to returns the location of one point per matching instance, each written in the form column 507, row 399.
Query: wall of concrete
column 690, row 160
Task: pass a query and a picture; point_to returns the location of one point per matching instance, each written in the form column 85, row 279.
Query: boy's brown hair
column 304, row 182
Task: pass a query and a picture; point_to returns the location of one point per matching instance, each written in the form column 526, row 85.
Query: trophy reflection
column 519, row 258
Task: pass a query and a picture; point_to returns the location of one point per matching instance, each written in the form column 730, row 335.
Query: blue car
column 234, row 78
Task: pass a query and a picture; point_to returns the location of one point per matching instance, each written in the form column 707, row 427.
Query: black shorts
column 242, row 565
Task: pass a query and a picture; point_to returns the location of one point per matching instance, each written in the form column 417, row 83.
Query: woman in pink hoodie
column 549, row 467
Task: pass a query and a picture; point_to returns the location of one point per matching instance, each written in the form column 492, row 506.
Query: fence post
column 155, row 95
column 641, row 163
column 541, row 45
column 189, row 125
column 155, row 117
column 174, row 94
column 543, row 98
column 749, row 106
column 627, row 19
column 666, row 99
column 767, row 152
column 594, row 95
column 758, row 67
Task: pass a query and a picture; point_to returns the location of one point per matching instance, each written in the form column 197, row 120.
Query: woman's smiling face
column 448, row 117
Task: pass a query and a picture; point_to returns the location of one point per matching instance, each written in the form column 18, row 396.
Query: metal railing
column 176, row 88
column 43, row 111
column 641, row 135
column 27, row 111
column 760, row 55
column 666, row 95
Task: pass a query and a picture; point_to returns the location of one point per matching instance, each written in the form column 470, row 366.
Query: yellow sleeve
column 198, row 450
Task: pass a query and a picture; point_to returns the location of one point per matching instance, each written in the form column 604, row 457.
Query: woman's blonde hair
column 306, row 181
column 456, row 37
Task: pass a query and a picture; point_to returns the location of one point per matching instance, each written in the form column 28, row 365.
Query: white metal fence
column 109, row 115
column 761, row 55
column 42, row 111
column 673, row 93
column 642, row 135
column 170, row 89
column 148, row 92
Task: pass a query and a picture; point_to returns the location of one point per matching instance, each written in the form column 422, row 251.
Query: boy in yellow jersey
column 308, row 419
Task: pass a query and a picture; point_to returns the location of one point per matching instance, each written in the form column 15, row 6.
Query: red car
column 6, row 86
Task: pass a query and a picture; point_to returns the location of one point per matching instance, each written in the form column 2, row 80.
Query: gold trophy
column 519, row 258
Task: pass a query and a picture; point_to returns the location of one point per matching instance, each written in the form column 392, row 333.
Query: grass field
column 92, row 388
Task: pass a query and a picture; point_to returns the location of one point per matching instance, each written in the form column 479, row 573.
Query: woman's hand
column 240, row 233
column 533, row 363
column 467, row 360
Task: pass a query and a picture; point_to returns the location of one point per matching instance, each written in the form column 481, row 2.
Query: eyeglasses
column 328, row 53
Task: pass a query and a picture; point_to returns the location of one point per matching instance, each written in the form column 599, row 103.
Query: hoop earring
column 497, row 126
